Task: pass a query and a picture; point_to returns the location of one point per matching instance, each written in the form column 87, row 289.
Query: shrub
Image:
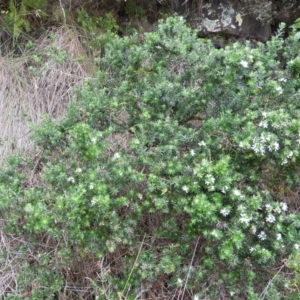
column 170, row 168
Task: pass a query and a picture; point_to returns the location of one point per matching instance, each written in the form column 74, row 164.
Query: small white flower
column 279, row 90
column 116, row 156
column 29, row 208
column 284, row 206
column 237, row 192
column 91, row 186
column 209, row 179
column 202, row 143
column 232, row 293
column 215, row 233
column 270, row 219
column 279, row 236
column 244, row 63
column 269, row 207
column 264, row 114
column 290, row 154
column 251, row 249
column 179, row 281
column 196, row 297
column 262, row 236
column 225, row 211
column 276, row 146
column 277, row 210
column 94, row 201
column 297, row 247
column 185, row 188
column 71, row 179
column 224, row 189
column 264, row 124
column 192, row 152
column 282, row 79
column 94, row 140
column 245, row 218
column 78, row 170
column 253, row 229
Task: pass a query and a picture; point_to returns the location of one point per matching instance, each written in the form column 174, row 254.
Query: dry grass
column 9, row 261
column 32, row 85
column 30, row 89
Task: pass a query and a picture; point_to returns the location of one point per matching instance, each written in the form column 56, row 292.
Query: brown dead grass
column 9, row 263
column 31, row 89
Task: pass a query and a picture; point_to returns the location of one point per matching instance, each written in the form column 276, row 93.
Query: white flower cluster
column 245, row 218
column 225, row 211
column 268, row 207
column 262, row 236
column 282, row 79
column 270, row 218
column 253, row 229
column 78, row 170
column 209, row 181
column 192, row 152
column 215, row 233
column 71, row 179
column 244, row 64
column 116, row 156
column 264, row 124
column 94, row 201
column 279, row 89
column 185, row 189
column 266, row 141
column 288, row 156
column 202, row 143
column 283, row 206
column 224, row 189
column 237, row 193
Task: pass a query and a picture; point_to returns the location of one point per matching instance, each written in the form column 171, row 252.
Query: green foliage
column 97, row 31
column 296, row 29
column 173, row 141
column 16, row 19
column 35, row 5
column 134, row 11
column 16, row 16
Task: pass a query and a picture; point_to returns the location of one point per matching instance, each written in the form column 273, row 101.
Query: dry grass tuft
column 37, row 83
column 9, row 261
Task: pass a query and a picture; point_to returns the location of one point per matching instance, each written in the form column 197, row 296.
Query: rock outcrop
column 238, row 18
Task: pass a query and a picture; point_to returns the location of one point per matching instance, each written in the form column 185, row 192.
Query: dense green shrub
column 175, row 157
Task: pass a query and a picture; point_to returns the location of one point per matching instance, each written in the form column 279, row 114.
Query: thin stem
column 140, row 249
column 190, row 267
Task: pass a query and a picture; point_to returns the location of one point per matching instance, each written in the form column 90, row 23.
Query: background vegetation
column 171, row 171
